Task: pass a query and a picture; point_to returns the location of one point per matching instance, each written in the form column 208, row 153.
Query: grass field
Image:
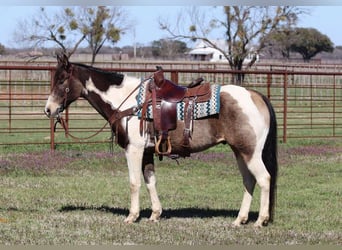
column 80, row 195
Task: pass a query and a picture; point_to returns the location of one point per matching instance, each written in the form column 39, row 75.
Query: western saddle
column 164, row 95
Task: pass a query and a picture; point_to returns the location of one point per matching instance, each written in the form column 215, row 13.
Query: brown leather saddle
column 164, row 95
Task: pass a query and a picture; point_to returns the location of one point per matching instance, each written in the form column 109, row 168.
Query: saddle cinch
column 164, row 95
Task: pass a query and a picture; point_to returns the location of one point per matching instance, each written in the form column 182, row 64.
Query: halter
column 65, row 98
column 66, row 91
column 60, row 119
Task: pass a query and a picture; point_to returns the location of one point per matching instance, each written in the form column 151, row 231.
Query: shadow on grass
column 167, row 213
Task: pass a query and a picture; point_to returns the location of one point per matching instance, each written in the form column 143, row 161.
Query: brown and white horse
column 246, row 121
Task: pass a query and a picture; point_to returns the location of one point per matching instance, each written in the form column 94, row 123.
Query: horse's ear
column 63, row 60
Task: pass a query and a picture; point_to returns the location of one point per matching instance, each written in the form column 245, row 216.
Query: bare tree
column 279, row 41
column 71, row 26
column 243, row 28
column 168, row 49
column 2, row 49
column 101, row 25
column 46, row 29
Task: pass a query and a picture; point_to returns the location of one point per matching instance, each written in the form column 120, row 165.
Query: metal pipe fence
column 308, row 104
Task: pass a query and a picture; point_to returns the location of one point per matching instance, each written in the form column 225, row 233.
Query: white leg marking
column 150, row 180
column 134, row 157
column 263, row 178
column 249, row 183
column 156, row 206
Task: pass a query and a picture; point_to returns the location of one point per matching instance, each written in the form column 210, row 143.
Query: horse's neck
column 99, row 105
column 112, row 99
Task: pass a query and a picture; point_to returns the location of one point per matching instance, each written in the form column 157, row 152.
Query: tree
column 242, row 27
column 100, row 25
column 45, row 29
column 2, row 49
column 279, row 41
column 309, row 42
column 167, row 48
column 71, row 26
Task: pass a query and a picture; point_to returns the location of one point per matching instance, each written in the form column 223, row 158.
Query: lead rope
column 117, row 115
column 64, row 125
column 61, row 120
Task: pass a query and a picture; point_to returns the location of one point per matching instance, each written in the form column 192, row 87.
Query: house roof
column 202, row 51
column 203, row 48
column 220, row 43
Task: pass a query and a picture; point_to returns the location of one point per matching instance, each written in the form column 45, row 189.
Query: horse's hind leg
column 249, row 184
column 150, row 180
column 254, row 171
column 263, row 178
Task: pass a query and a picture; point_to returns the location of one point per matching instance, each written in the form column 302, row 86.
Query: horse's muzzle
column 48, row 113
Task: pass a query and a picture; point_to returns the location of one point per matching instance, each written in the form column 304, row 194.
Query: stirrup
column 169, row 147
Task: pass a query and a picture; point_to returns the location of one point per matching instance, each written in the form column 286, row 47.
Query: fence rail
column 308, row 104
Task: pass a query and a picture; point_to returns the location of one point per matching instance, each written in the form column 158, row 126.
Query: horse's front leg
column 134, row 156
column 150, row 180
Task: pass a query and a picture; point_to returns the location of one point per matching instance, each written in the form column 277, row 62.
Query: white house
column 204, row 52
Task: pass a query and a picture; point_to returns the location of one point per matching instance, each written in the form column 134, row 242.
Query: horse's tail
column 269, row 156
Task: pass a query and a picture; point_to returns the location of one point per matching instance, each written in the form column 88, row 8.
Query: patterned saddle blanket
column 201, row 109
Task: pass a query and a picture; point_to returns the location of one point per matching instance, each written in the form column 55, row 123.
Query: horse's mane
column 98, row 70
column 110, row 76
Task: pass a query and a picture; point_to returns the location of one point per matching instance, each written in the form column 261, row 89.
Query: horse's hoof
column 257, row 225
column 240, row 221
column 131, row 218
column 155, row 216
column 260, row 224
column 262, row 221
column 153, row 220
column 236, row 224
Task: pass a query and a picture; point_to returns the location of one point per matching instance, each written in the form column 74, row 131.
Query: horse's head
column 66, row 88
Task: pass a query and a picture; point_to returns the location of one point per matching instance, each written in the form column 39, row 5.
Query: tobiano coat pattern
column 246, row 122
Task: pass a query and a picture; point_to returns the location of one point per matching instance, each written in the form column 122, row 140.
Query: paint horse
column 246, row 122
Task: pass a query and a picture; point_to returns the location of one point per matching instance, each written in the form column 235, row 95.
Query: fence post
column 67, row 121
column 269, row 79
column 10, row 102
column 285, row 109
column 52, row 124
column 174, row 76
column 52, row 134
column 334, row 106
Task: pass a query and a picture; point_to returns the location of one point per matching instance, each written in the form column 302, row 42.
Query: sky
column 326, row 19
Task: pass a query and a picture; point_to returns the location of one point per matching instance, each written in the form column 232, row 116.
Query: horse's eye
column 61, row 81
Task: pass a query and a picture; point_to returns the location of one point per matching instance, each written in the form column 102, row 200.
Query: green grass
column 80, row 195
